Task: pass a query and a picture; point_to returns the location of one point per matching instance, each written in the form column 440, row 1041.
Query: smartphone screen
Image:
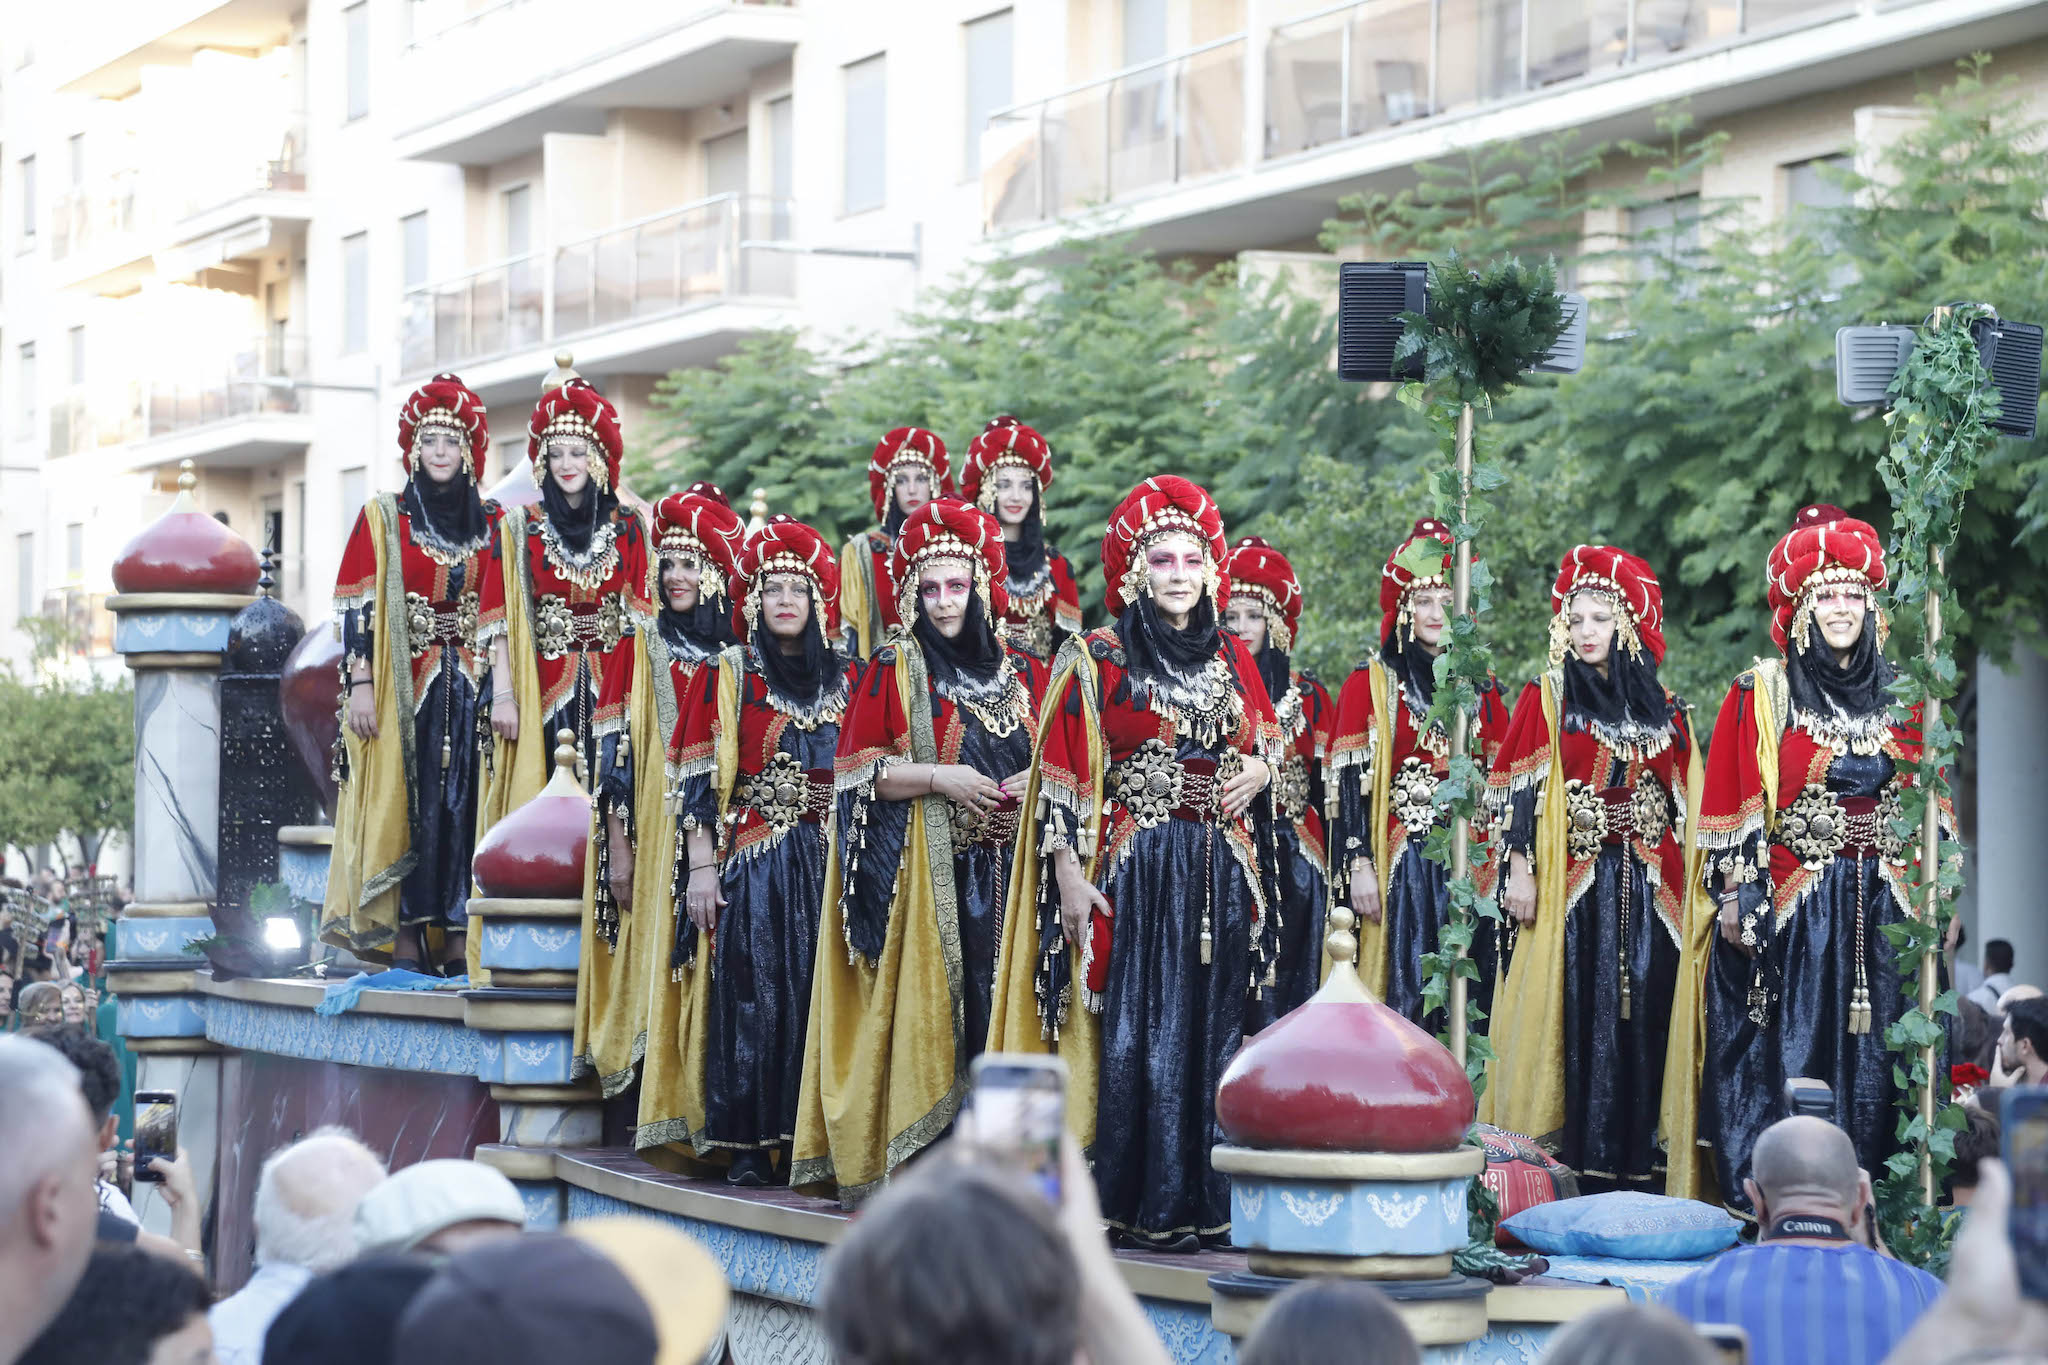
column 1729, row 1342
column 2023, row 1138
column 156, row 1130
column 1019, row 1104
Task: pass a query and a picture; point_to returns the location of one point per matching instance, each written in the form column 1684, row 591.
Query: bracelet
column 702, row 867
column 360, row 682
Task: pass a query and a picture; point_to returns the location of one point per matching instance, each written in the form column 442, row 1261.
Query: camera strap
column 1807, row 1225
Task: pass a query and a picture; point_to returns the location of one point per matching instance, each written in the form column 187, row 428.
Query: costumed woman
column 1596, row 789
column 933, row 759
column 416, row 671
column 1136, row 937
column 1008, row 470
column 755, row 766
column 1800, row 870
column 907, row 470
column 1384, row 767
column 575, row 584
column 697, row 539
column 1264, row 612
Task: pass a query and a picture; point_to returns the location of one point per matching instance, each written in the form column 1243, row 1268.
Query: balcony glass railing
column 258, row 381
column 1159, row 123
column 85, row 419
column 94, row 213
column 718, row 248
column 273, row 164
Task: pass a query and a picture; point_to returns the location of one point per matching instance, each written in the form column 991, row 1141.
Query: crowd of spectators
column 955, row 1261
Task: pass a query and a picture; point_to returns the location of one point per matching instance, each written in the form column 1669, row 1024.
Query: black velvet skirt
column 1170, row 1024
column 1412, row 915
column 436, row 891
column 1304, row 899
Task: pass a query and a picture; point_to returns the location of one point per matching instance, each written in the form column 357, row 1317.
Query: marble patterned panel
column 767, row 1332
column 171, row 632
column 161, row 1016
column 365, row 1040
column 268, row 1102
column 543, row 1201
column 156, row 940
column 532, row 944
column 177, row 785
column 303, row 870
column 1349, row 1218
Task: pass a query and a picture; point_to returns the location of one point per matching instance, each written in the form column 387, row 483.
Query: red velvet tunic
column 444, row 600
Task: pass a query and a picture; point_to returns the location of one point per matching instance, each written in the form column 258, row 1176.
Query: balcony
column 109, row 44
column 676, row 289
column 1352, row 96
column 593, row 55
column 239, row 207
column 251, row 413
column 99, row 229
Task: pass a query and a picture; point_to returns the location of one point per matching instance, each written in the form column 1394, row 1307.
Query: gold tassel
column 447, row 752
column 1207, row 950
column 1626, row 997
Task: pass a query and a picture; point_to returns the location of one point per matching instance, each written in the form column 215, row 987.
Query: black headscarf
column 1629, row 699
column 1155, row 649
column 798, row 679
column 699, row 632
column 450, row 514
column 1026, row 554
column 1822, row 687
column 1413, row 669
column 574, row 526
column 1276, row 668
column 892, row 520
column 973, row 656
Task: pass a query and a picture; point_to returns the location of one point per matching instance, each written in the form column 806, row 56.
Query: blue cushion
column 1636, row 1227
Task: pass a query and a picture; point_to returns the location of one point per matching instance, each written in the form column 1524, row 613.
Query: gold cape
column 1018, row 1020
column 859, row 600
column 672, row 1090
column 1689, row 1171
column 373, row 819
column 612, row 981
column 1372, row 937
column 1525, row 1090
column 885, row 1055
column 519, row 768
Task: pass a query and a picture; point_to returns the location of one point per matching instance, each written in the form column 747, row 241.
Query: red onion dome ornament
column 1826, row 547
column 1625, row 582
column 446, row 402
column 1163, row 505
column 537, row 852
column 1423, row 560
column 786, row 545
column 1004, row 443
column 700, row 522
column 947, row 528
column 186, row 551
column 1255, row 569
column 576, row 408
column 907, row 447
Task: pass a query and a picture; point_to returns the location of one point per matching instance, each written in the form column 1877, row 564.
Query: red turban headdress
column 444, row 401
column 1004, row 441
column 701, row 522
column 946, row 528
column 1157, row 507
column 786, row 545
column 1825, row 545
column 907, row 445
column 1623, row 579
column 577, row 409
column 1421, row 561
column 1255, row 568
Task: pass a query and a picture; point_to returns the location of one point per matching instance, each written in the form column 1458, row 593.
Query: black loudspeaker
column 2011, row 351
column 1371, row 297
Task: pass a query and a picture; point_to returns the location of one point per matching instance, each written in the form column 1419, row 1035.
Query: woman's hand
column 1730, row 918
column 1078, row 897
column 1521, row 894
column 703, row 899
column 620, row 854
column 1365, row 891
column 1239, row 791
column 1015, row 783
column 504, row 716
column 362, row 710
column 968, row 786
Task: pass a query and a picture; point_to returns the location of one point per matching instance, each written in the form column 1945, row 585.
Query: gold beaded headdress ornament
column 947, row 528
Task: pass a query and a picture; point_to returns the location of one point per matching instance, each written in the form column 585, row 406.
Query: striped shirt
column 1843, row 1304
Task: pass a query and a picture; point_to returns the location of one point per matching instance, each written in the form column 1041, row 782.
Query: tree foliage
column 67, row 755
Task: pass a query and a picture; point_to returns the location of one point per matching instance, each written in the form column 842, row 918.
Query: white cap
column 427, row 1197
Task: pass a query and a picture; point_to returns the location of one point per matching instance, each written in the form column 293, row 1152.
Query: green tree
column 67, row 762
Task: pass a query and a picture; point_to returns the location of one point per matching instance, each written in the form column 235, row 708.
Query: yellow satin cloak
column 373, row 850
column 1018, row 1020
column 859, row 602
column 1372, row 937
column 885, row 1056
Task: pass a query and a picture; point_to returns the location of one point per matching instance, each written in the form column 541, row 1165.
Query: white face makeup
column 1014, row 490
column 681, row 578
column 1591, row 619
column 1173, row 564
column 569, row 464
column 785, row 604
column 1839, row 610
column 943, row 587
column 440, row 452
column 1429, row 612
column 1245, row 618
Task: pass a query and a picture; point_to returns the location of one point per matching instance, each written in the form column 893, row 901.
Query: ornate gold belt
column 1614, row 815
column 426, row 626
column 1290, row 788
column 560, row 629
column 1412, row 792
column 786, row 794
column 971, row 826
column 1819, row 826
column 1155, row 787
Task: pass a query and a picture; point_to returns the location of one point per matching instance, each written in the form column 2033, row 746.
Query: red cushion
column 1521, row 1175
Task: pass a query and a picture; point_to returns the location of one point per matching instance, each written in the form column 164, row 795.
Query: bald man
column 1809, row 1290
column 49, row 1166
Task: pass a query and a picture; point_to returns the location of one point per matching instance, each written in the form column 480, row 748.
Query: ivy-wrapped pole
column 1930, row 874
column 1461, row 718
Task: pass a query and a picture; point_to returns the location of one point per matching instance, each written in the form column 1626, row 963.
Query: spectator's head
column 1997, row 956
column 370, row 1295
column 1806, row 1165
column 72, row 996
column 439, row 1208
column 1978, row 1140
column 132, row 1307
column 99, row 1074
column 41, row 1005
column 306, row 1200
column 625, row 1291
column 2023, row 1044
column 952, row 1263
column 48, row 1169
column 1629, row 1335
column 1318, row 1321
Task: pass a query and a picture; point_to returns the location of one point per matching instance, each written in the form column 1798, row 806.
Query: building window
column 355, row 21
column 76, row 338
column 1669, row 231
column 412, row 233
column 355, row 293
column 355, row 491
column 25, row 237
column 25, row 575
column 25, row 394
column 518, row 206
column 867, row 130
column 990, row 67
column 75, row 146
column 74, row 551
column 782, row 162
